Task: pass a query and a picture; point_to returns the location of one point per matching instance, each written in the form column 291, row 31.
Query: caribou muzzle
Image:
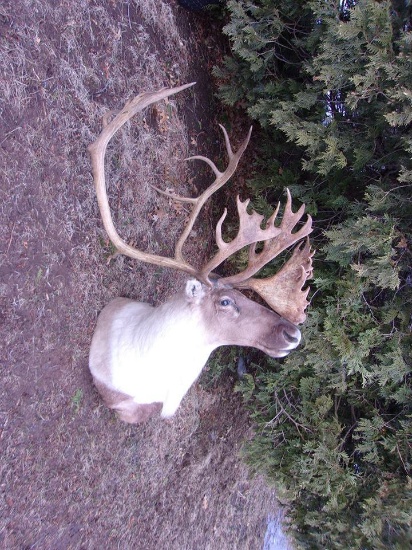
column 285, row 337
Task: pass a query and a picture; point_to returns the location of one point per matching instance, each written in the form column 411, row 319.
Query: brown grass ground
column 72, row 475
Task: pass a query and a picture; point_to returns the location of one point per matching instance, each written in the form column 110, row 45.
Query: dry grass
column 72, row 476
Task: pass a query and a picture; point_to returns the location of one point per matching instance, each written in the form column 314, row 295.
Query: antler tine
column 221, row 179
column 283, row 238
column 230, row 154
column 97, row 151
column 275, row 240
column 250, row 231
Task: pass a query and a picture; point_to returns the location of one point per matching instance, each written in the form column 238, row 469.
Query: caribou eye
column 225, row 302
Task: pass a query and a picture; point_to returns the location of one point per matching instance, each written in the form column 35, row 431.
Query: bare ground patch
column 72, row 475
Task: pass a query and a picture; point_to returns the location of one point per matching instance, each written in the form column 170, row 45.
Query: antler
column 283, row 292
column 97, row 151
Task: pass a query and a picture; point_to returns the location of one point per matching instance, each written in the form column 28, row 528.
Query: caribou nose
column 292, row 335
column 291, row 339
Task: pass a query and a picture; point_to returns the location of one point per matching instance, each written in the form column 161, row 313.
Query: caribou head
column 143, row 359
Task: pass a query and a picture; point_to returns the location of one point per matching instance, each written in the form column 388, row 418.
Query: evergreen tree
column 331, row 85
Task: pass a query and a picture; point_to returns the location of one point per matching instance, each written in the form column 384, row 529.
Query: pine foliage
column 331, row 85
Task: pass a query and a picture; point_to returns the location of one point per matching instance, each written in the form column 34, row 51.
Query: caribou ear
column 194, row 291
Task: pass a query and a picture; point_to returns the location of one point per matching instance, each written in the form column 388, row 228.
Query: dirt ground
column 72, row 475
